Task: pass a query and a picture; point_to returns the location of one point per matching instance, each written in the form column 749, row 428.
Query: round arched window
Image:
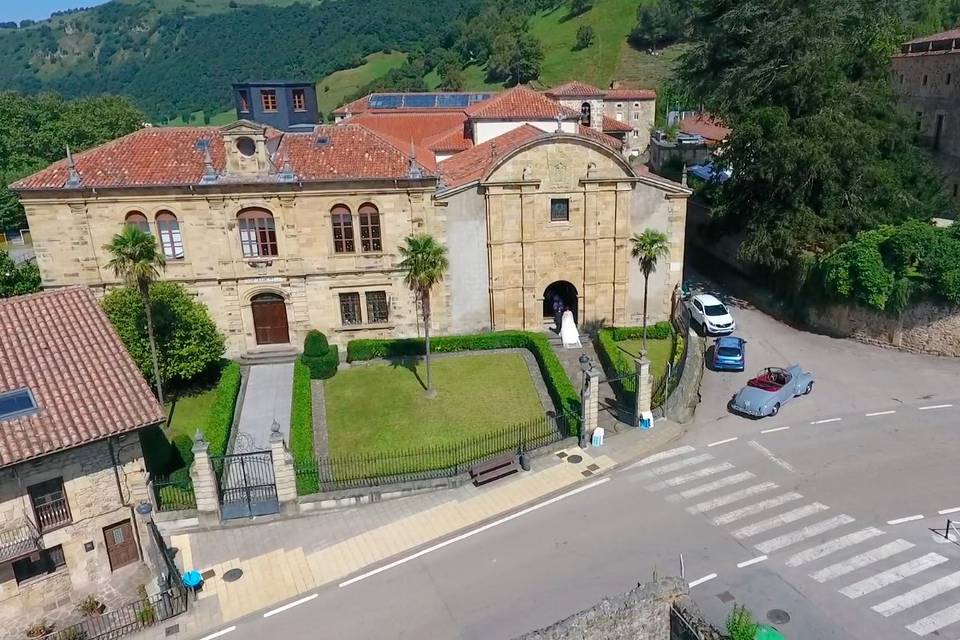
column 246, row 146
column 258, row 233
column 369, row 228
column 342, row 222
column 168, row 227
column 138, row 220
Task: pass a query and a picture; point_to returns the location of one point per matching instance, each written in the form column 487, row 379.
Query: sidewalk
column 281, row 559
column 268, row 396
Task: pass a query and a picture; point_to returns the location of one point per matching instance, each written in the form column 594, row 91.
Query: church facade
column 280, row 232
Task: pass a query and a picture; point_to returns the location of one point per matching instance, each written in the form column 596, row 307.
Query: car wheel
column 775, row 410
column 808, row 389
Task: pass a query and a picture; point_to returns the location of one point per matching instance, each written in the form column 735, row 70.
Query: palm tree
column 648, row 247
column 138, row 261
column 425, row 263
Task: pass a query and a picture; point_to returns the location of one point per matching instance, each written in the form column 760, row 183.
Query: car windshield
column 728, row 352
column 715, row 310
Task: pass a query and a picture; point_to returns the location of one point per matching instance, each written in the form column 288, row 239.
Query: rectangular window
column 16, row 403
column 924, row 79
column 244, row 101
column 636, row 134
column 299, row 100
column 50, row 504
column 370, row 231
column 636, row 116
column 619, row 116
column 377, row 310
column 268, row 98
column 559, row 210
column 342, row 233
column 948, row 79
column 955, row 187
column 258, row 237
column 350, row 309
column 41, row 563
column 170, row 238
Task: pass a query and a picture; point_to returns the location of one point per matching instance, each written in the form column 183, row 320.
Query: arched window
column 370, row 228
column 258, row 233
column 170, row 240
column 342, row 223
column 138, row 220
column 585, row 114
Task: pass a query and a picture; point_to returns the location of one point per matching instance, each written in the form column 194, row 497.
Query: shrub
column 301, row 425
column 316, row 344
column 89, row 606
column 38, row 629
column 618, row 362
column 740, row 624
column 217, row 431
column 564, row 396
column 323, row 366
column 659, row 331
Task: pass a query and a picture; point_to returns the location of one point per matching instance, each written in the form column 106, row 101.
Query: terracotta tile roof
column 432, row 131
column 630, row 94
column 423, row 156
column 589, row 132
column 520, row 103
column 60, row 345
column 456, row 139
column 474, row 163
column 704, row 125
column 943, row 35
column 574, row 89
column 612, row 124
column 169, row 156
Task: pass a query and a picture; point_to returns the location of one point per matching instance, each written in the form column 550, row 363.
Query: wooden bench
column 494, row 469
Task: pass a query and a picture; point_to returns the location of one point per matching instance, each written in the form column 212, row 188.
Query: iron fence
column 129, row 618
column 427, row 463
column 680, row 628
column 173, row 494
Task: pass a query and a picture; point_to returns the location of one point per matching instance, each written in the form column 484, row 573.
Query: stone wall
column 640, row 614
column 924, row 328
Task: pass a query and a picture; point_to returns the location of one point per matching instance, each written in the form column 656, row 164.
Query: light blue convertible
column 771, row 389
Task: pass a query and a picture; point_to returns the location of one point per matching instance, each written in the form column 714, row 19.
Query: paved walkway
column 570, row 359
column 267, row 398
column 282, row 559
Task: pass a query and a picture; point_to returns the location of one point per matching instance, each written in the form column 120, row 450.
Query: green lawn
column 383, row 409
column 658, row 351
column 643, row 70
column 334, row 90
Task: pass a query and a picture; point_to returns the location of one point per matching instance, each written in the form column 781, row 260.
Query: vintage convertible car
column 771, row 389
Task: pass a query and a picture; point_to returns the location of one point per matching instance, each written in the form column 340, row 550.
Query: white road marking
column 808, row 531
column 222, row 632
column 695, row 475
column 709, row 505
column 862, row 560
column 706, row 578
column 915, row 596
column 826, row 421
column 936, row 406
column 718, row 442
column 747, row 563
column 832, row 546
column 775, row 429
column 793, row 515
column 774, row 459
column 890, row 576
column 937, row 621
column 755, row 508
column 716, row 484
column 675, row 466
column 906, row 519
column 290, row 605
column 944, row 512
column 879, row 413
column 473, row 532
column 663, row 455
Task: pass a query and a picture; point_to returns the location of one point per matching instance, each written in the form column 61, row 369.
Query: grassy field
column 643, row 70
column 658, row 351
column 383, row 409
column 334, row 90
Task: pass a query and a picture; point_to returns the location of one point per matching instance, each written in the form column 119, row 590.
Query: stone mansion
column 279, row 231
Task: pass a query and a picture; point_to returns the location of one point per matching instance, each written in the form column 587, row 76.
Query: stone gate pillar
column 644, row 396
column 589, row 402
column 204, row 481
column 283, row 472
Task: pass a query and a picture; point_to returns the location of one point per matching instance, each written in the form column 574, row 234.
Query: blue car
column 729, row 354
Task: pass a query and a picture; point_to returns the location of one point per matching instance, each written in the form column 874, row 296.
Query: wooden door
column 121, row 545
column 270, row 319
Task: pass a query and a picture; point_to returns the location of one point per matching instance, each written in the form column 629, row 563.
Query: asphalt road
column 827, row 510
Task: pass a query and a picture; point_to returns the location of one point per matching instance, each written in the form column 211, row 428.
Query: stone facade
column 102, row 482
column 639, row 114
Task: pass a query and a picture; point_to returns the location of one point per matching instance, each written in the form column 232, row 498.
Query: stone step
column 270, row 355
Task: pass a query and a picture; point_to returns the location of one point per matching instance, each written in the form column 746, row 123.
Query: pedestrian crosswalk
column 891, row 575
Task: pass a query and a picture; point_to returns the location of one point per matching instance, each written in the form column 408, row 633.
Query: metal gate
column 246, row 485
column 620, row 389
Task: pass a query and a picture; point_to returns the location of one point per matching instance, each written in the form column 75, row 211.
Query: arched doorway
column 561, row 292
column 270, row 318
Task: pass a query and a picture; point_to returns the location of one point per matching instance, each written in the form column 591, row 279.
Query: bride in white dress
column 568, row 331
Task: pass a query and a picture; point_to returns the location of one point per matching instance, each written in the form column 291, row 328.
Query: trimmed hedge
column 301, row 426
column 659, row 331
column 315, row 344
column 562, row 392
column 320, row 357
column 618, row 362
column 217, row 430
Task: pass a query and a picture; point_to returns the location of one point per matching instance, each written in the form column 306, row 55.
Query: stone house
column 71, row 467
column 283, row 232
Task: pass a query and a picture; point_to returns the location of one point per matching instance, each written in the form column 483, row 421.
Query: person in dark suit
column 558, row 309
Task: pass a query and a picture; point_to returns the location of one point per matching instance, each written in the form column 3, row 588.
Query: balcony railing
column 53, row 514
column 17, row 539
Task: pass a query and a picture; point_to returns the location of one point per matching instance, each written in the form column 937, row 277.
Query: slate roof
column 61, row 346
column 171, row 156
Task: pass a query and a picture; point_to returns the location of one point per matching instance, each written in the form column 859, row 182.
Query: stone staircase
column 270, row 354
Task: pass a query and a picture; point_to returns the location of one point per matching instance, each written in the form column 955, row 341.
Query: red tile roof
column 60, row 345
column 575, row 89
column 630, row 94
column 943, row 35
column 474, row 163
column 704, row 125
column 520, row 103
column 602, row 138
column 418, row 127
column 168, row 156
column 456, row 139
column 612, row 124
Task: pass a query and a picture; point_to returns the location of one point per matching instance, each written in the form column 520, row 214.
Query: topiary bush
column 315, row 344
column 561, row 390
column 319, row 356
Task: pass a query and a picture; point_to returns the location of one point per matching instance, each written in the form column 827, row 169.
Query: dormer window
column 299, row 100
column 268, row 99
column 246, row 146
column 244, row 101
